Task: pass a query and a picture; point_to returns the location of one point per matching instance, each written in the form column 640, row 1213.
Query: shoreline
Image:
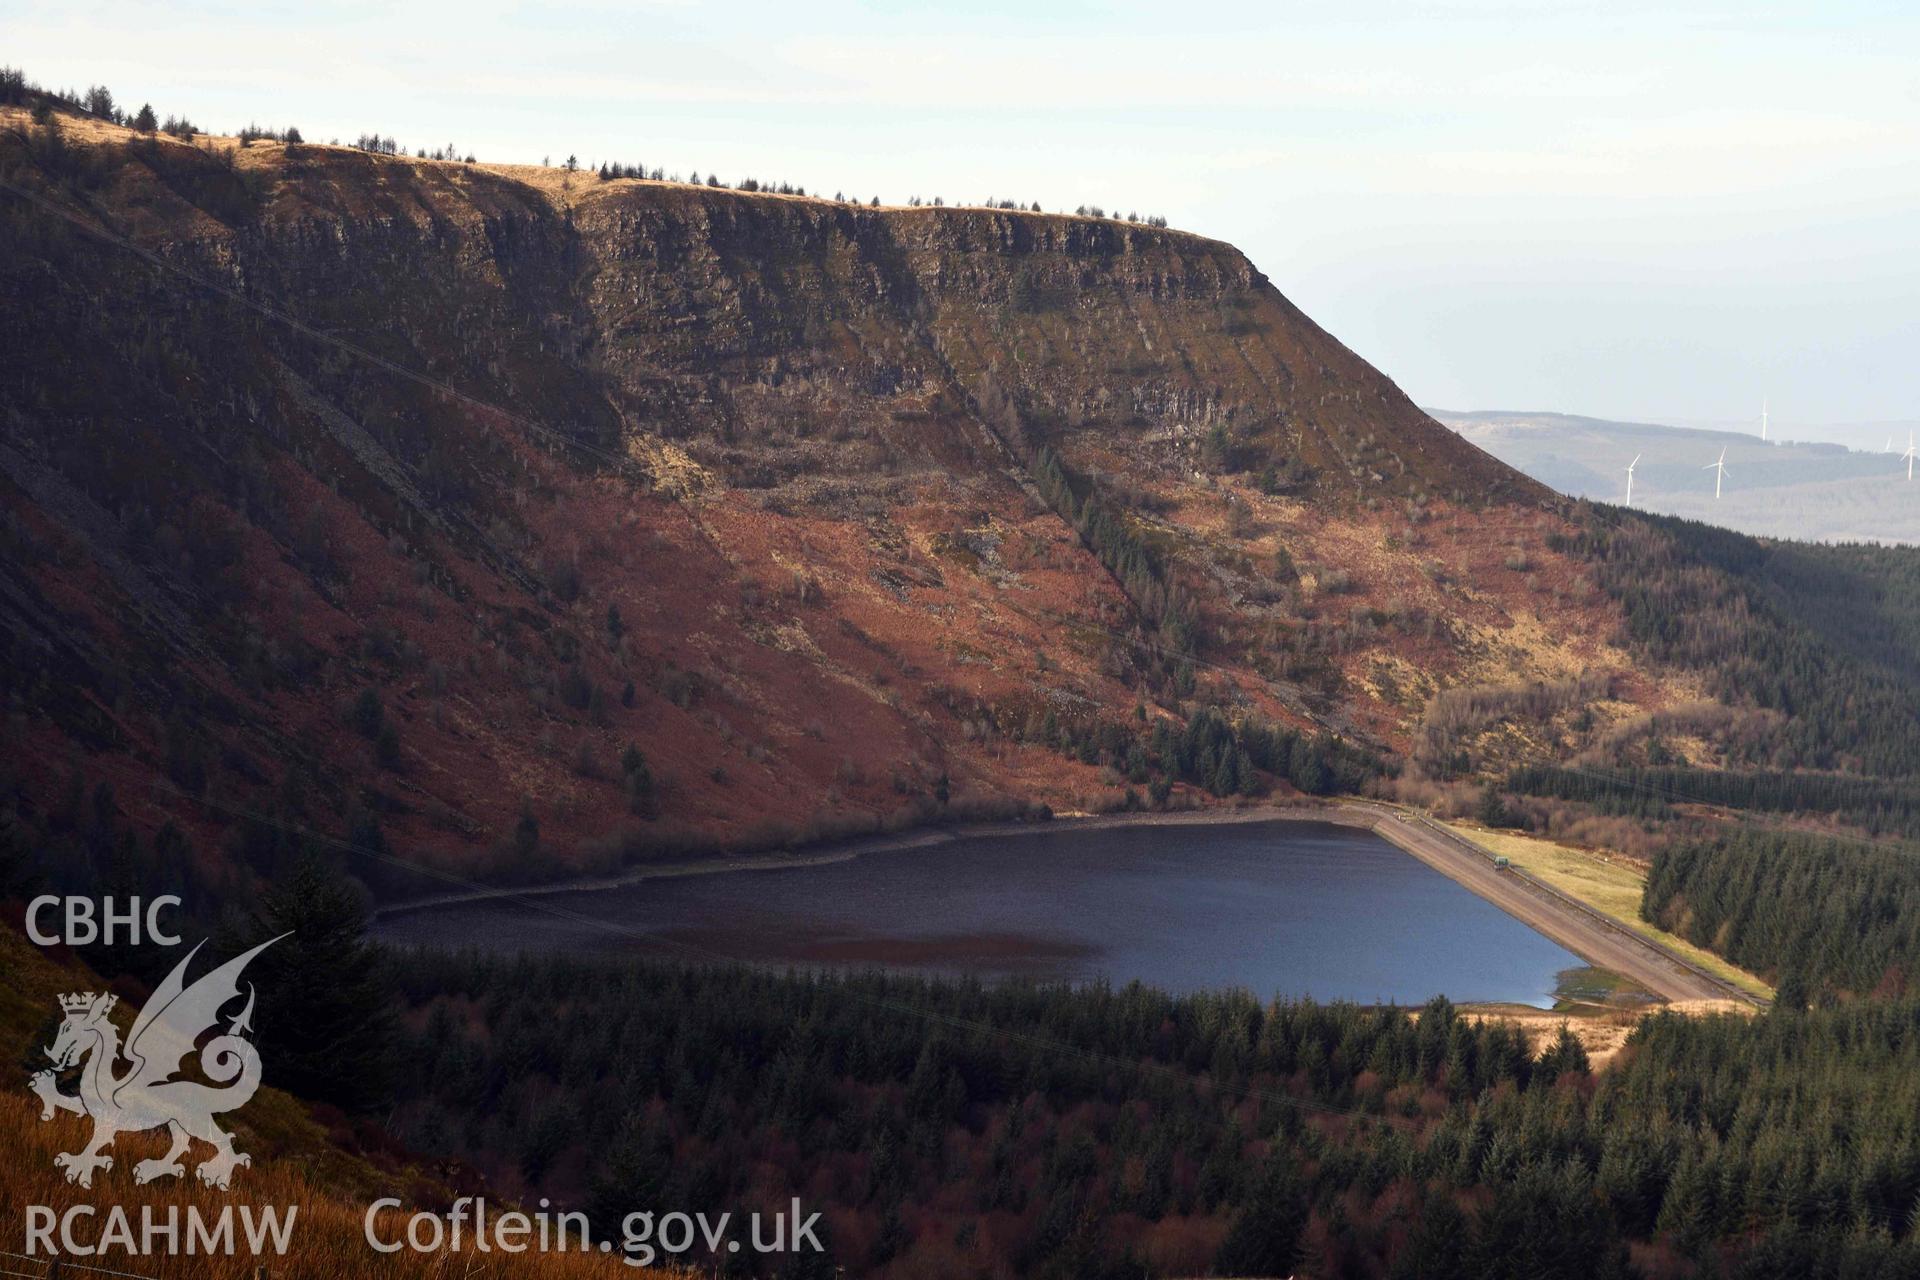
column 1600, row 940
column 1596, row 939
column 836, row 851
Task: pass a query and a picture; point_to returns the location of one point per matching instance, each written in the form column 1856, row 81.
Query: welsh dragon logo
column 145, row 1094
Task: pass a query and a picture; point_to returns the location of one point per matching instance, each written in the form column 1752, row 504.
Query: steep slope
column 358, row 495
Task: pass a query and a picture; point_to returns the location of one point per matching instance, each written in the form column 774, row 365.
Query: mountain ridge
column 837, row 517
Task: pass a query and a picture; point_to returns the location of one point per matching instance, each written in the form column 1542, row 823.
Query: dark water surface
column 1279, row 908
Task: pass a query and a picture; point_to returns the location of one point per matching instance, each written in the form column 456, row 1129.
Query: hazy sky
column 1659, row 211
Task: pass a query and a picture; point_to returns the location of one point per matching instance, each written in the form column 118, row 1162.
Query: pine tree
column 638, row 780
column 1264, row 1239
column 324, row 1015
column 633, row 1173
column 1440, row 1245
column 1565, row 1054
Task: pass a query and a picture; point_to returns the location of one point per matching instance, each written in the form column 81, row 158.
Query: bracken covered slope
column 382, row 495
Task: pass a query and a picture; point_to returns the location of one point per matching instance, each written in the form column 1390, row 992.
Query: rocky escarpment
column 1065, row 324
column 507, row 515
column 754, row 318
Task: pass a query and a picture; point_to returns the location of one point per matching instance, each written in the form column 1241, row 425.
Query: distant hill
column 1817, row 492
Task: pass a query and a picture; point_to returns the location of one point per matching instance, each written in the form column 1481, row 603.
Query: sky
column 1648, row 211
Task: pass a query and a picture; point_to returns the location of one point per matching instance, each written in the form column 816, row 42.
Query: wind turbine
column 1719, row 470
column 1636, row 462
column 1763, row 419
column 1907, row 456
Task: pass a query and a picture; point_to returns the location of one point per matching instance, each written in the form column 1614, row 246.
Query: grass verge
column 1611, row 888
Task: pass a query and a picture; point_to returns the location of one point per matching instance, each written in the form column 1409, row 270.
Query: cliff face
column 402, row 497
column 1065, row 323
column 720, row 314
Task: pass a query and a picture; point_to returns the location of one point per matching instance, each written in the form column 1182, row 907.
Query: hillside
column 758, row 484
column 439, row 523
column 516, row 521
column 1814, row 492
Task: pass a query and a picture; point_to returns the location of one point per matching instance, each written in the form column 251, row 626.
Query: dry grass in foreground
column 293, row 1165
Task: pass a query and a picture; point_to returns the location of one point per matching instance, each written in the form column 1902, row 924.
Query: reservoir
column 1277, row 908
